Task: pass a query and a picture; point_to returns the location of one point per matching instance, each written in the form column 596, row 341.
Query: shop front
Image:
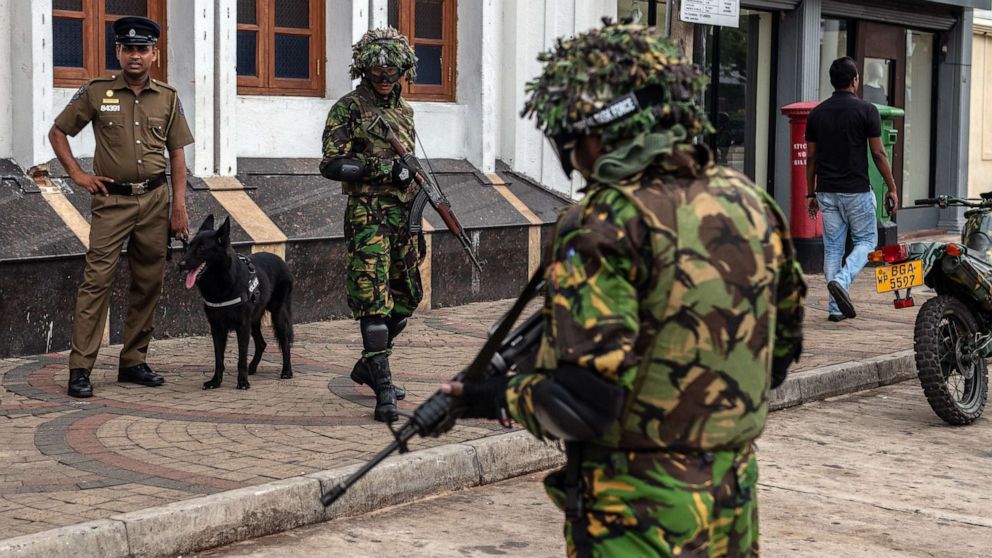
column 914, row 56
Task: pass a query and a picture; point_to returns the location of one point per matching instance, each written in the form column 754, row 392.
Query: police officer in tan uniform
column 135, row 119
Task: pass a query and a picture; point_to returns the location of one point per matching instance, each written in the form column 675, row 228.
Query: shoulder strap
column 369, row 104
column 479, row 367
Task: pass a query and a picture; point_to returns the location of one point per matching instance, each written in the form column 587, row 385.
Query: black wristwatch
column 813, row 195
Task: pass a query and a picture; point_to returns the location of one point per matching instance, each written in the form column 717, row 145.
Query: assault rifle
column 429, row 192
column 502, row 353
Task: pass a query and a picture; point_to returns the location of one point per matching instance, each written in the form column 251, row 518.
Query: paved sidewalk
column 65, row 461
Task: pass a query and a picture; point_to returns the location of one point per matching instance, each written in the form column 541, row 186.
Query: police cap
column 134, row 30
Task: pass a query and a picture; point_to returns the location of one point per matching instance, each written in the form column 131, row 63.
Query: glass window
column 877, row 83
column 639, row 11
column 430, row 27
column 833, row 45
column 67, row 39
column 919, row 106
column 739, row 96
column 83, row 41
column 280, row 47
column 292, row 56
column 247, row 55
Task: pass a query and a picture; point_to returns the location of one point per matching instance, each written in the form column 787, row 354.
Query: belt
column 135, row 188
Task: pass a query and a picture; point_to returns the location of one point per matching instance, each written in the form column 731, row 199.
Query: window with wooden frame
column 83, row 40
column 431, row 27
column 280, row 47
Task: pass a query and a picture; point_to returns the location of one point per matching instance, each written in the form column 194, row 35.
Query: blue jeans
column 843, row 212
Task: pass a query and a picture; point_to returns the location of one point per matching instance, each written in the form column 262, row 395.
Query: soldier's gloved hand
column 486, row 399
column 402, row 174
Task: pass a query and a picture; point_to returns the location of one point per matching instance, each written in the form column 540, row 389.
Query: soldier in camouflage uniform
column 674, row 303
column 383, row 276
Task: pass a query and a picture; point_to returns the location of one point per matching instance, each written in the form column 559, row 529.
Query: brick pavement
column 65, row 461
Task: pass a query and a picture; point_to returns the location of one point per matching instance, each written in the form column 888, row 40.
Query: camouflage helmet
column 383, row 47
column 618, row 81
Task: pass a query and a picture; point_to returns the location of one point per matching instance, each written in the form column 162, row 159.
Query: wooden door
column 880, row 52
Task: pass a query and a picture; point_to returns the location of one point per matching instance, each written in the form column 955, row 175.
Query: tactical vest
column 707, row 319
column 399, row 114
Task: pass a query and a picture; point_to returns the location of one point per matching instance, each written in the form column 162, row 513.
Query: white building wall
column 980, row 131
column 530, row 27
column 191, row 72
column 498, row 43
column 6, row 106
column 288, row 126
column 31, row 69
column 225, row 88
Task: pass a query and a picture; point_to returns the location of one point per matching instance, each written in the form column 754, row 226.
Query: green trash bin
column 887, row 231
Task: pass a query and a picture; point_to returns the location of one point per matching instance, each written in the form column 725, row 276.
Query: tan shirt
column 132, row 131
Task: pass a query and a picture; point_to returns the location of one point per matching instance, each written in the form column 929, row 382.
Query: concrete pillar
column 559, row 21
column 226, row 88
column 798, row 80
column 32, row 114
column 480, row 61
column 492, row 64
column 348, row 27
column 378, row 14
column 953, row 117
column 6, row 109
column 191, row 72
column 530, row 27
column 589, row 13
column 523, row 38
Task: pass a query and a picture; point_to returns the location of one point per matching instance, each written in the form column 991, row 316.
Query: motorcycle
column 952, row 337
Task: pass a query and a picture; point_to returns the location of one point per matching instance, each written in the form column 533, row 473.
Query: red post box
column 807, row 232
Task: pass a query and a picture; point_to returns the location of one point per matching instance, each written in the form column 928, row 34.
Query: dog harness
column 252, row 291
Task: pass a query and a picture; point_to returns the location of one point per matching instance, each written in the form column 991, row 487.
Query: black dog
column 236, row 291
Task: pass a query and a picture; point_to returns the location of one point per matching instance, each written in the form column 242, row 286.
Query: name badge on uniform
column 110, row 108
column 111, row 101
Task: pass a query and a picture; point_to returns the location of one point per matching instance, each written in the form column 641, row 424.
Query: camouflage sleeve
column 591, row 308
column 339, row 140
column 790, row 298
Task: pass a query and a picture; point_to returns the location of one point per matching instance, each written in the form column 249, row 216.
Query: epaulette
column 101, row 78
column 163, row 84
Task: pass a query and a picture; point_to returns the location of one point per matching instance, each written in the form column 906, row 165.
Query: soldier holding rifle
column 383, row 273
column 673, row 303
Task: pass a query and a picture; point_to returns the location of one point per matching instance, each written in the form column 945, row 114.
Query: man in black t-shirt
column 837, row 182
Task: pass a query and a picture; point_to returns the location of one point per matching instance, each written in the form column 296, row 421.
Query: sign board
column 725, row 13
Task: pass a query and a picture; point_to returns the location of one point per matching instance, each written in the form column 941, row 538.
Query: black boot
column 385, row 393
column 79, row 383
column 360, row 375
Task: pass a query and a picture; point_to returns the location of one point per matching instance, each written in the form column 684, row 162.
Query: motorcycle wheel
column 955, row 386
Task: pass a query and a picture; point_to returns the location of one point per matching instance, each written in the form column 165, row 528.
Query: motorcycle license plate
column 899, row 276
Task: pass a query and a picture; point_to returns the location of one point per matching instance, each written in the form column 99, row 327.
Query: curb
column 847, row 377
column 188, row 526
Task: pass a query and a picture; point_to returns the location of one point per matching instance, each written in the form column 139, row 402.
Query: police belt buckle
column 138, row 188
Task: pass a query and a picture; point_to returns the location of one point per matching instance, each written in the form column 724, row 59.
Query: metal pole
column 669, row 15
column 652, row 13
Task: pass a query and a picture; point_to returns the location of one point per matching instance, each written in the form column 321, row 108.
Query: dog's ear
column 208, row 224
column 224, row 232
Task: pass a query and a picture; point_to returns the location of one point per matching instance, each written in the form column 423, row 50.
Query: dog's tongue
column 191, row 277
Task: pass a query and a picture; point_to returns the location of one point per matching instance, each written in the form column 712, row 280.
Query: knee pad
column 375, row 334
column 396, row 326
